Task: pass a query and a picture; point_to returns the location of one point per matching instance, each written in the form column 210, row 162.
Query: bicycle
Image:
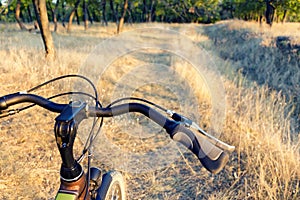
column 92, row 185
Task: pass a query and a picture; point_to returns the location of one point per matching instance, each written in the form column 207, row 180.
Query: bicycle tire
column 112, row 187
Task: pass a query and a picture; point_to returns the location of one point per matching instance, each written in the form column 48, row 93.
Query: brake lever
column 213, row 139
column 190, row 124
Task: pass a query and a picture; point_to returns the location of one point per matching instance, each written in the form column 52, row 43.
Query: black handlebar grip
column 211, row 157
column 3, row 104
column 9, row 100
column 19, row 97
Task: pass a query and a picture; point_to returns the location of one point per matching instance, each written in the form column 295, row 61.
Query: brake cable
column 68, row 76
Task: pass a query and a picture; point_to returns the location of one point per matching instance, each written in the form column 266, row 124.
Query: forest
column 41, row 12
column 138, row 11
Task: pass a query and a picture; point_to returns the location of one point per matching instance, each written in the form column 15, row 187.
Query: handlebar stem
column 65, row 133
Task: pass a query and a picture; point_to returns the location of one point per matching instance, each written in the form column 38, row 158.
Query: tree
column 286, row 8
column 73, row 12
column 113, row 10
column 270, row 10
column 42, row 18
column 259, row 9
column 103, row 5
column 152, row 10
column 145, row 11
column 54, row 12
column 18, row 12
column 85, row 14
column 179, row 11
column 208, row 11
column 148, row 10
column 121, row 22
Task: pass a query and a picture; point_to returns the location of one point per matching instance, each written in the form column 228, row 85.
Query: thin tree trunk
column 103, row 2
column 72, row 15
column 85, row 15
column 42, row 18
column 113, row 11
column 55, row 15
column 231, row 11
column 130, row 17
column 284, row 15
column 121, row 23
column 77, row 17
column 63, row 13
column 29, row 14
column 269, row 12
column 145, row 10
column 90, row 17
column 23, row 19
column 260, row 19
column 17, row 15
column 152, row 11
column 70, row 21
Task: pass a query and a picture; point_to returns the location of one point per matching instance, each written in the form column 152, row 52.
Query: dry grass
column 260, row 114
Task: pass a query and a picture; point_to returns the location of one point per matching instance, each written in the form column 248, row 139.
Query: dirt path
column 155, row 166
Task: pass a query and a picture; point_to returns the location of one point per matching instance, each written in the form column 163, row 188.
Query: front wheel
column 112, row 187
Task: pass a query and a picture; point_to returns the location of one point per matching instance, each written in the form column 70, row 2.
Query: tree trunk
column 145, row 11
column 284, row 15
column 29, row 14
column 70, row 21
column 72, row 15
column 130, row 15
column 231, row 11
column 115, row 15
column 77, row 17
column 54, row 13
column 269, row 12
column 17, row 15
column 103, row 2
column 120, row 25
column 90, row 17
column 260, row 19
column 152, row 11
column 23, row 19
column 85, row 15
column 42, row 18
column 63, row 13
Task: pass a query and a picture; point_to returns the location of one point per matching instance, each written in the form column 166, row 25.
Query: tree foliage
column 180, row 11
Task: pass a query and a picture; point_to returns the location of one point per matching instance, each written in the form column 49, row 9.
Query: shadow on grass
column 272, row 61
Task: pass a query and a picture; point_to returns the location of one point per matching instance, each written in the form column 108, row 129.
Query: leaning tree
column 42, row 19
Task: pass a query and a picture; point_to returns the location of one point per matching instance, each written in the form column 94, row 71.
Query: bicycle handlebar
column 211, row 157
column 23, row 97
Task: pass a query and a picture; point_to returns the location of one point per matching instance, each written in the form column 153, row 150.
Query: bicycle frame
column 76, row 190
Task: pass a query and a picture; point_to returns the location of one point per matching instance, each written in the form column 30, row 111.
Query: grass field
column 260, row 74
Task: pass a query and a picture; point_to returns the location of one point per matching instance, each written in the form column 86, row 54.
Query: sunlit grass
column 259, row 114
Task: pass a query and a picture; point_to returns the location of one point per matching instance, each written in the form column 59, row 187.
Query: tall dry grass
column 260, row 115
column 262, row 108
